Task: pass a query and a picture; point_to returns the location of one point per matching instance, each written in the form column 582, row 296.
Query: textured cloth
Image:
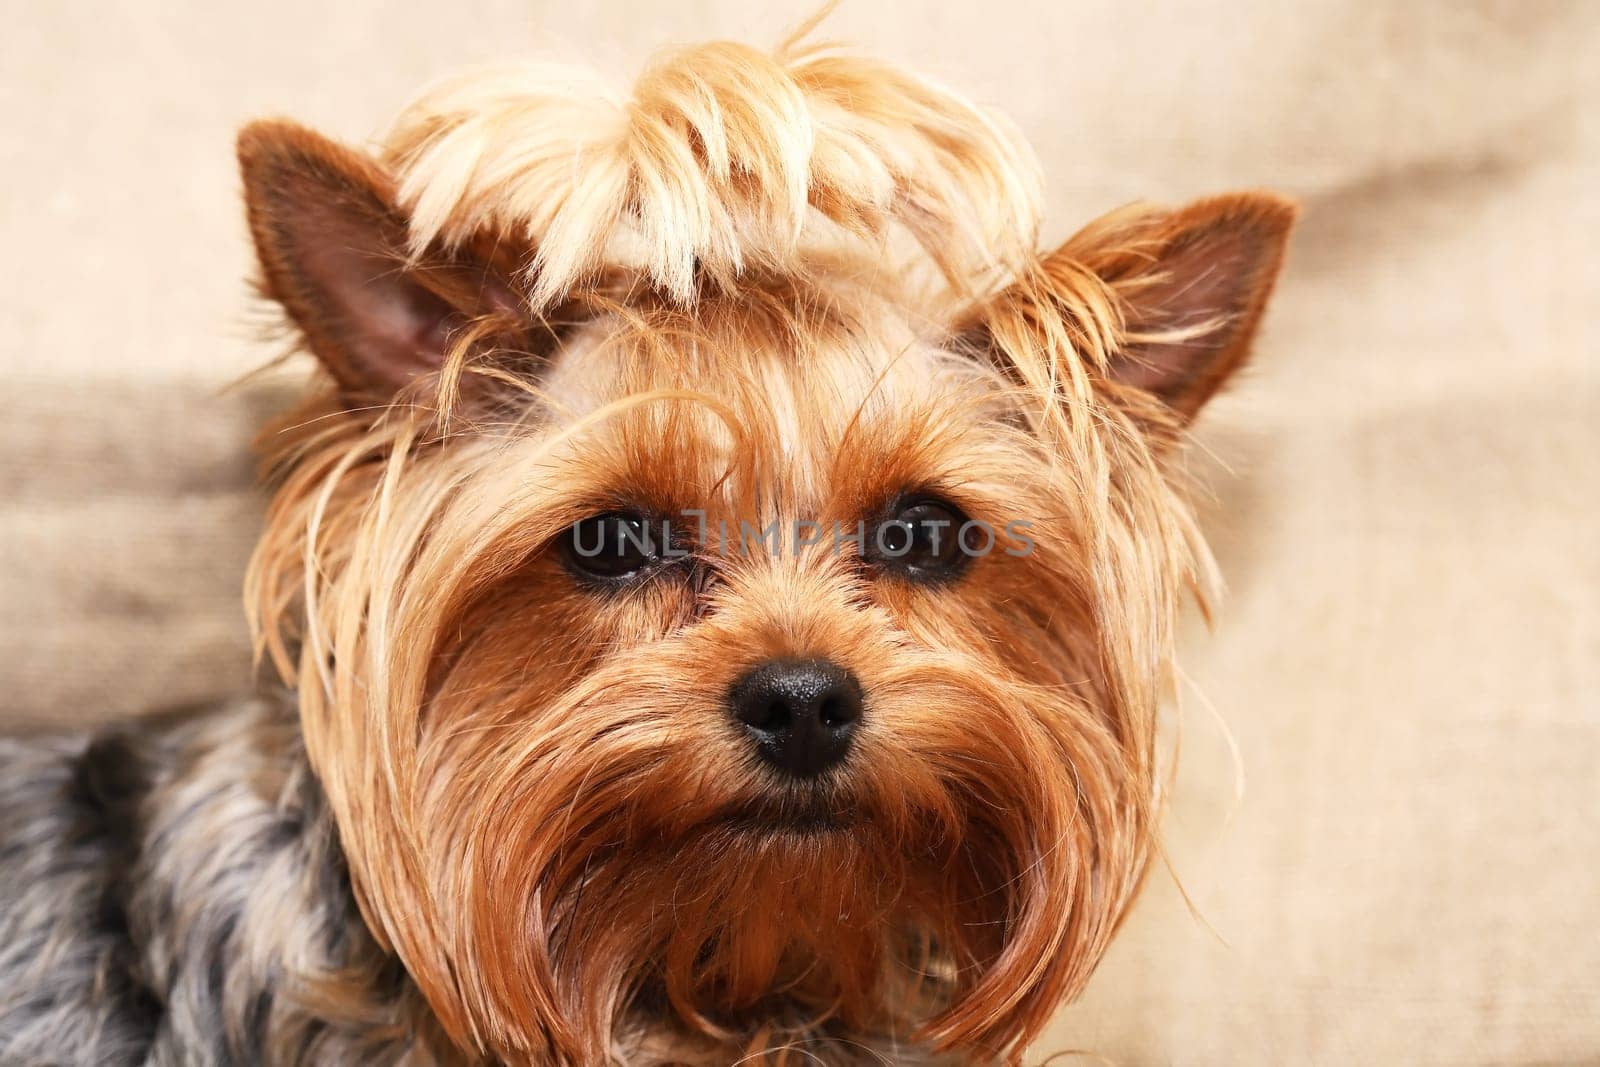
column 1404, row 485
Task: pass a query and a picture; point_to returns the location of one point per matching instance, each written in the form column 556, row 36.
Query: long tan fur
column 790, row 286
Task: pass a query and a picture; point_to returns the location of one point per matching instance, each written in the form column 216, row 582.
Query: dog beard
column 938, row 891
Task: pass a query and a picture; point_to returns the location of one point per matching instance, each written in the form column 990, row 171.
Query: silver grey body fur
column 171, row 892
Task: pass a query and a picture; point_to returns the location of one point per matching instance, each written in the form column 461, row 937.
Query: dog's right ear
column 332, row 246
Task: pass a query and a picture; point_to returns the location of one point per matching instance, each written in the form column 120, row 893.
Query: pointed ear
column 1193, row 284
column 331, row 244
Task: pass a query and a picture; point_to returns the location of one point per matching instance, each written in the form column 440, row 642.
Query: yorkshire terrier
column 723, row 580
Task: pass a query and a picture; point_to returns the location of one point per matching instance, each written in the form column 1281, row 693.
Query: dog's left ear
column 332, row 245
column 1171, row 299
column 1194, row 284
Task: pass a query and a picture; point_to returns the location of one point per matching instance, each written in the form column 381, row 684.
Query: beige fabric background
column 1405, row 486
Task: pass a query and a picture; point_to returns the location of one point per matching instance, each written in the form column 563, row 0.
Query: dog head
column 728, row 573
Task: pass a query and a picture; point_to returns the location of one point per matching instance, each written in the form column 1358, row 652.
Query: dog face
column 768, row 662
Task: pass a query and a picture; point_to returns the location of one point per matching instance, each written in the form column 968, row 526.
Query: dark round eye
column 611, row 546
column 924, row 538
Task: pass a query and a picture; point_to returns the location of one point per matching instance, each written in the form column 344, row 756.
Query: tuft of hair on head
column 721, row 159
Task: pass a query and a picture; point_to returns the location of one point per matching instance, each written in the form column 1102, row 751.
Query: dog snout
column 801, row 714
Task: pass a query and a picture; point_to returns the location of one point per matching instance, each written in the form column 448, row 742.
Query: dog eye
column 922, row 539
column 611, row 546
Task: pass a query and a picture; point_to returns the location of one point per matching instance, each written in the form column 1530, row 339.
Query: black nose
column 801, row 713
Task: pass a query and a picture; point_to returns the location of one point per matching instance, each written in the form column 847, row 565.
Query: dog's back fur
column 172, row 891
